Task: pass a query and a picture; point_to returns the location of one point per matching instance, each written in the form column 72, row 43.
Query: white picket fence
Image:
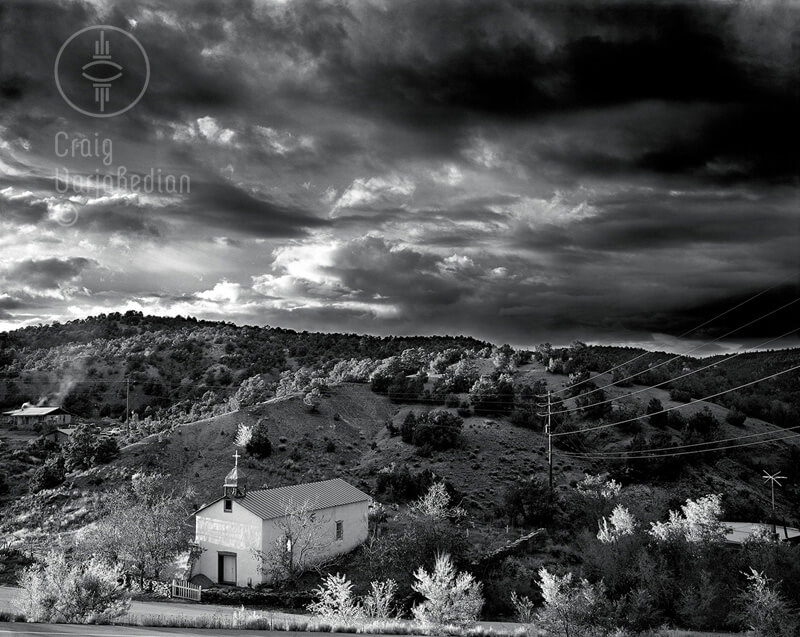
column 185, row 590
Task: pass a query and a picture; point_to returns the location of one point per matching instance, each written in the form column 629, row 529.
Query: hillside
column 171, row 363
column 413, row 412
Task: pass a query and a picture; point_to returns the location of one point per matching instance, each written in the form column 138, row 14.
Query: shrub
column 335, row 601
column 437, row 429
column 529, row 500
column 378, row 603
column 49, row 475
column 764, row 610
column 523, row 607
column 680, row 395
column 259, row 444
column 571, row 608
column 58, row 591
column 408, row 427
column 450, row 597
column 735, row 418
column 464, row 409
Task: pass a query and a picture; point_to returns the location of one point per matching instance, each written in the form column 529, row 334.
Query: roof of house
column 271, row 503
column 740, row 531
column 34, row 411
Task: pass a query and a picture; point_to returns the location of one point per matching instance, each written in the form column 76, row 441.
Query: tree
column 408, row 426
column 142, row 526
column 438, row 429
column 88, row 446
column 619, row 524
column 436, row 504
column 529, row 500
column 259, row 444
column 450, row 597
column 493, row 396
column 312, row 400
column 60, row 591
column 657, row 419
column 49, row 475
column 735, row 418
column 698, row 521
column 303, row 536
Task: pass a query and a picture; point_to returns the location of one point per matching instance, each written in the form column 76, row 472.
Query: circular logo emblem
column 102, row 71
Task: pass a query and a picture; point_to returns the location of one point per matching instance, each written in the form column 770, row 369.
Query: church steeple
column 234, row 486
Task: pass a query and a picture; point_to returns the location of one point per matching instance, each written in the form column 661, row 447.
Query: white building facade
column 231, row 530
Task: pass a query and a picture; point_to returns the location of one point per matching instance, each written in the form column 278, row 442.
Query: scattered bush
column 59, row 591
column 735, row 418
column 335, row 600
column 49, row 475
column 450, row 597
column 764, row 610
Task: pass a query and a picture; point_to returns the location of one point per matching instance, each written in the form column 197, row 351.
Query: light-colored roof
column 271, row 503
column 740, row 531
column 33, row 411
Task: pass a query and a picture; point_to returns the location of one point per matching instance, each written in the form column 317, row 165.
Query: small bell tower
column 234, row 486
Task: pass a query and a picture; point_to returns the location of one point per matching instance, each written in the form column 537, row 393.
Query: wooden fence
column 185, row 590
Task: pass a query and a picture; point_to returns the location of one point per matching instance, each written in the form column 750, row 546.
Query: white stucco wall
column 241, row 531
column 238, row 531
column 356, row 528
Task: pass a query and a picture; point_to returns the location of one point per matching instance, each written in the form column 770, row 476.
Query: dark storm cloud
column 222, row 205
column 456, row 64
column 745, row 320
column 46, row 274
column 617, row 166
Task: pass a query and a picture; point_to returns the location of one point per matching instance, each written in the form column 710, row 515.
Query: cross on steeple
column 234, row 482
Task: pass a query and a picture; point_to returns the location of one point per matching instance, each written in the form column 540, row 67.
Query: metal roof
column 738, row 532
column 271, row 503
column 34, row 411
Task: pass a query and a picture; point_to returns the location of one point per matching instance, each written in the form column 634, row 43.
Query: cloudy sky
column 517, row 171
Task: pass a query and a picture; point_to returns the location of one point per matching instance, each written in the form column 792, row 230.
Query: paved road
column 173, row 608
column 59, row 630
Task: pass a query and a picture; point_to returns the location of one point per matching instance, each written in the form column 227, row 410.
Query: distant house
column 738, row 532
column 29, row 416
column 240, row 522
column 60, row 436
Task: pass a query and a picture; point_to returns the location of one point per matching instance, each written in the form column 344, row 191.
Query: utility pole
column 773, row 479
column 127, row 402
column 549, row 445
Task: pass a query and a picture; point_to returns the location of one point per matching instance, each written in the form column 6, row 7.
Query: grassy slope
column 494, row 454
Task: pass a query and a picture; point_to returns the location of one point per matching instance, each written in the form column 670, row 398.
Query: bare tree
column 143, row 527
column 304, row 535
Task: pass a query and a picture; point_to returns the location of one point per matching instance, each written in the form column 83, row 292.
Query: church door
column 227, row 568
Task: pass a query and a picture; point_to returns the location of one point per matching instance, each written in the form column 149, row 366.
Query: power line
column 694, row 329
column 589, row 456
column 633, row 453
column 677, row 356
column 670, row 380
column 692, row 402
